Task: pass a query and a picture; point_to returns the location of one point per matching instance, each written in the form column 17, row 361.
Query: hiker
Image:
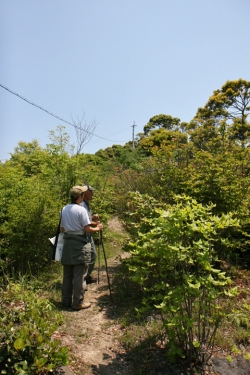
column 76, row 254
column 94, row 220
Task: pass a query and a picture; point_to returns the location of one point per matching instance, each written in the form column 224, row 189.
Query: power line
column 59, row 118
column 98, row 140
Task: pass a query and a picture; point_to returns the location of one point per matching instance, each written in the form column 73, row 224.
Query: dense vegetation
column 186, row 189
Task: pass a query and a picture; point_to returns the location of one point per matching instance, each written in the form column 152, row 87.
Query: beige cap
column 75, row 191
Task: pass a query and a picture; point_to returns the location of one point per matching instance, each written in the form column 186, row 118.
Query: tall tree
column 231, row 103
column 162, row 121
column 29, row 156
column 160, row 137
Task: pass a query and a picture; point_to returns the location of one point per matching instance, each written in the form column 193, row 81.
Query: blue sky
column 116, row 61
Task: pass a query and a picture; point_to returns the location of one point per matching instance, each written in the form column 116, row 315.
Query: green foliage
column 162, row 121
column 29, row 218
column 27, row 325
column 175, row 262
column 212, row 178
column 240, row 318
column 208, row 135
column 103, row 202
column 231, row 102
column 131, row 159
column 176, row 245
column 110, row 153
column 202, row 160
column 123, row 157
column 63, row 171
column 34, row 187
column 29, row 157
column 161, row 137
column 215, row 172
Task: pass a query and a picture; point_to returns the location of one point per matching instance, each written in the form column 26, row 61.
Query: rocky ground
column 92, row 336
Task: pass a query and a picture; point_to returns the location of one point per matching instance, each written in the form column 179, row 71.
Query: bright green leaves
column 27, row 325
column 174, row 258
column 19, row 344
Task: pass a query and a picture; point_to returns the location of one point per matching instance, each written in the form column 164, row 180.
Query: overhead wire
column 99, row 140
column 59, row 118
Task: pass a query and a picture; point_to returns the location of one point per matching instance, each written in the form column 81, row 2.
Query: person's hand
column 100, row 226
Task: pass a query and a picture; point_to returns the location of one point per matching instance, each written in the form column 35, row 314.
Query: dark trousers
column 74, row 284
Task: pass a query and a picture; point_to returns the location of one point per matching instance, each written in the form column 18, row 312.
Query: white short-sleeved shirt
column 74, row 217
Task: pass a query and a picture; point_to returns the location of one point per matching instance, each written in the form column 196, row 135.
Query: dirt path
column 92, row 335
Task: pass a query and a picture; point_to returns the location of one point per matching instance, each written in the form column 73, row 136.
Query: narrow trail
column 91, row 335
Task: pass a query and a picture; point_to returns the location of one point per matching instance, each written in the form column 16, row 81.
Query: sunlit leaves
column 27, row 325
column 174, row 259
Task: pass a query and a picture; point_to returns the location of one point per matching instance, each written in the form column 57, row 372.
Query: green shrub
column 175, row 262
column 27, row 325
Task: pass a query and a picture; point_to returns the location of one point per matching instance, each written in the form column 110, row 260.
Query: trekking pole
column 101, row 239
column 98, row 252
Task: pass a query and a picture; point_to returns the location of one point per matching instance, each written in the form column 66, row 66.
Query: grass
column 113, row 242
column 235, row 331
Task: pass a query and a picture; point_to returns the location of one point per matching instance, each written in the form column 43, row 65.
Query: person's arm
column 89, row 229
column 95, row 223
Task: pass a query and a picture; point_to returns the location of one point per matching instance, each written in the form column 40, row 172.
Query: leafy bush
column 27, row 324
column 175, row 262
column 31, row 217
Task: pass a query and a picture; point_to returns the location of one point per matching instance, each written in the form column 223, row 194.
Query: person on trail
column 76, row 254
column 94, row 220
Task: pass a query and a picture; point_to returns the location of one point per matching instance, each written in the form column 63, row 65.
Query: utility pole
column 133, row 142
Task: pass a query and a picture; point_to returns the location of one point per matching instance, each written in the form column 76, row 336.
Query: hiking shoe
column 90, row 280
column 84, row 305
